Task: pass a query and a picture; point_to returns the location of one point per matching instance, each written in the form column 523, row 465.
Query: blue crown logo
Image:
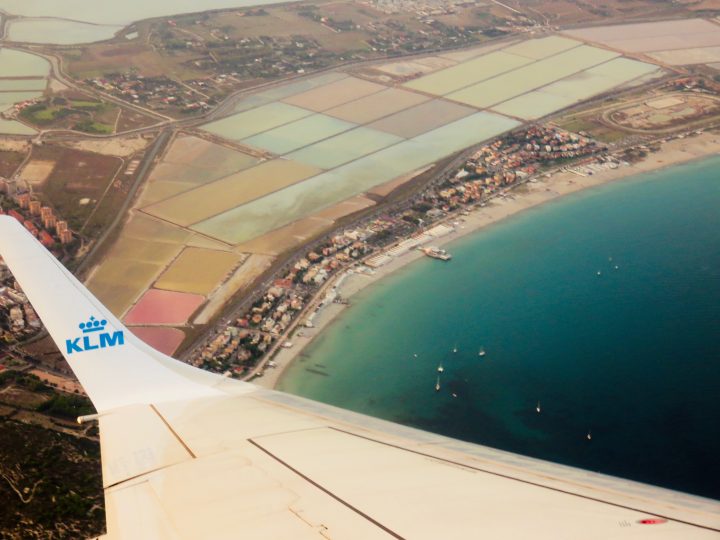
column 93, row 325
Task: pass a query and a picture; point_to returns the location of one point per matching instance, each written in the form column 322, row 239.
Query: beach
column 529, row 195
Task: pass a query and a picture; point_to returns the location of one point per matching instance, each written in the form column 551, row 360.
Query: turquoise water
column 632, row 354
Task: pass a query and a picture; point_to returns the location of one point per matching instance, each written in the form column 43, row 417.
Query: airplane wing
column 191, row 455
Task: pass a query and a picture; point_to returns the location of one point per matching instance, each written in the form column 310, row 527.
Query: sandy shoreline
column 528, row 196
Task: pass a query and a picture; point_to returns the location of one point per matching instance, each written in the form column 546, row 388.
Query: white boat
column 481, row 352
column 589, row 436
column 455, row 349
column 441, row 368
column 437, row 384
column 537, row 407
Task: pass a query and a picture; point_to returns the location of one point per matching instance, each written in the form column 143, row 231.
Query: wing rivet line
column 167, row 425
column 327, row 491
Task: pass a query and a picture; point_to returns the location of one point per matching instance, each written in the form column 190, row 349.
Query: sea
column 602, row 308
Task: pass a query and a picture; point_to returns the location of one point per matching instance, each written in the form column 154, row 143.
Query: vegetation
column 77, row 182
column 51, row 484
column 50, row 481
column 88, row 126
column 81, row 115
column 9, row 162
column 24, row 380
column 67, row 406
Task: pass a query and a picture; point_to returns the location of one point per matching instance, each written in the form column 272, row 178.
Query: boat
column 481, row 352
column 437, row 384
column 537, row 407
column 589, row 436
column 455, row 349
column 436, row 253
column 441, row 368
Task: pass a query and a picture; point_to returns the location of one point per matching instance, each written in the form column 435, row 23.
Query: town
column 18, row 320
column 510, row 160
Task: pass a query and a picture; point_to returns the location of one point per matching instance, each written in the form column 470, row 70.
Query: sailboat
column 437, row 384
column 481, row 352
column 537, row 407
column 440, row 368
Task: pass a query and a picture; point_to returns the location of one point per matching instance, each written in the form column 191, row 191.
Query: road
column 57, row 70
column 143, row 171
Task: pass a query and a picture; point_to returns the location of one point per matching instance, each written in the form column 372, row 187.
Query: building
column 61, row 227
column 66, row 236
column 30, row 226
column 23, row 200
column 49, row 222
column 46, row 240
column 34, row 208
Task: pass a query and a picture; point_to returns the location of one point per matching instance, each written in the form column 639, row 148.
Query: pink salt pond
column 164, row 307
column 165, row 340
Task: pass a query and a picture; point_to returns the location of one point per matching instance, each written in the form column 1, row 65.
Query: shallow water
column 21, row 64
column 75, row 12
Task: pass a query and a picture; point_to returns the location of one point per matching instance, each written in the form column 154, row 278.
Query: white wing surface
column 190, row 455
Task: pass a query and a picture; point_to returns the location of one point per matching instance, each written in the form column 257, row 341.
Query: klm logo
column 94, row 337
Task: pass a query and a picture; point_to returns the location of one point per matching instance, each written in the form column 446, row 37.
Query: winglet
column 114, row 367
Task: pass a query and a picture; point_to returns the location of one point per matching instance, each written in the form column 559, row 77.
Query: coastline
column 530, row 195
